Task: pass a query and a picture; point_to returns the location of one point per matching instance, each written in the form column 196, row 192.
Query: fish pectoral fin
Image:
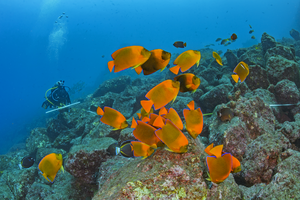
column 188, row 86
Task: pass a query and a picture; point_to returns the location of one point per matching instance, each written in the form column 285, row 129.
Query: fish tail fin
column 235, row 77
column 163, row 111
column 100, row 111
column 133, row 124
column 158, row 122
column 145, row 119
column 111, row 65
column 147, row 104
column 184, row 44
column 118, row 150
column 191, row 105
column 138, row 69
column 175, row 69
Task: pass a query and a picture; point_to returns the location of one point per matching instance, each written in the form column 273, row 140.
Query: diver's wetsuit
column 58, row 97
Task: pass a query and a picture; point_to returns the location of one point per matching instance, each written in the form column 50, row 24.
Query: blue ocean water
column 38, row 48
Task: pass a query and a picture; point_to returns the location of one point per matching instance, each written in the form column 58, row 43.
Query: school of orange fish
column 164, row 129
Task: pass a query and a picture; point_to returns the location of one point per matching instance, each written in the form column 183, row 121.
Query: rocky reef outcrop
column 262, row 134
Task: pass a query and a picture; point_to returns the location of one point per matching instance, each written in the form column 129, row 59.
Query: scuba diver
column 58, row 97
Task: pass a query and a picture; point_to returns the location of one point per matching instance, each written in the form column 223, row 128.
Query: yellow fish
column 172, row 137
column 112, row 118
column 124, row 58
column 174, row 117
column 161, row 95
column 236, row 165
column 146, row 134
column 193, row 119
column 219, row 165
column 158, row 60
column 186, row 60
column 218, row 58
column 50, row 165
column 141, row 149
column 241, row 72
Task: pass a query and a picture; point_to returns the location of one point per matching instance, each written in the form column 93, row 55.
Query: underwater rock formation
column 267, row 42
column 264, row 138
column 295, row 34
column 115, row 85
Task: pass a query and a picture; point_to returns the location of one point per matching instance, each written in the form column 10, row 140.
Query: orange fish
column 141, row 149
column 144, row 113
column 219, row 165
column 241, row 72
column 158, row 60
column 174, row 117
column 50, row 165
column 188, row 82
column 124, row 58
column 233, row 36
column 218, row 58
column 186, row 60
column 161, row 95
column 112, row 118
column 146, row 134
column 236, row 165
column 179, row 44
column 193, row 119
column 172, row 137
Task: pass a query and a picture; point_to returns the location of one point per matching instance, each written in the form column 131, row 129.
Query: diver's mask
column 60, row 83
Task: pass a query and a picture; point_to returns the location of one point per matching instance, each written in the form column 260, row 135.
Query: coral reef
column 263, row 137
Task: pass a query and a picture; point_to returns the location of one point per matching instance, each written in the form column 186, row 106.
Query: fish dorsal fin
column 175, row 69
column 139, row 115
column 147, row 104
column 111, row 65
column 158, row 122
column 217, row 151
column 100, row 111
column 133, row 124
column 208, row 148
column 162, row 111
column 235, row 77
column 191, row 105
